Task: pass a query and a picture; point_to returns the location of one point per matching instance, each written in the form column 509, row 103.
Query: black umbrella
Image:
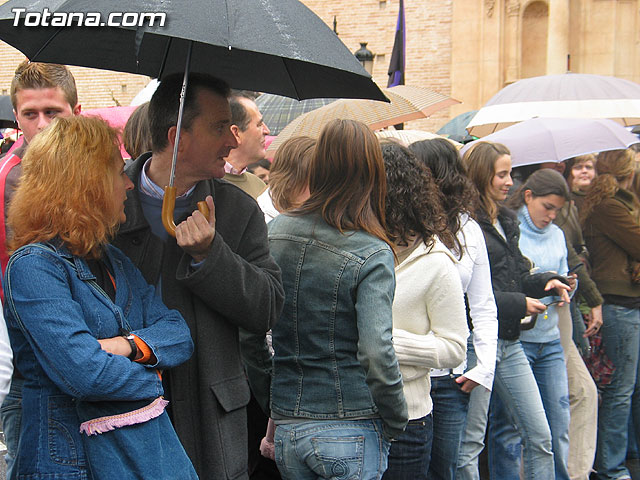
column 7, row 118
column 276, row 46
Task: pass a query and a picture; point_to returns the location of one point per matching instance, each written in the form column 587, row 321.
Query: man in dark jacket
column 217, row 271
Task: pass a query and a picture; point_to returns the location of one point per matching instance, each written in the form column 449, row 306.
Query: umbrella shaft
column 183, row 93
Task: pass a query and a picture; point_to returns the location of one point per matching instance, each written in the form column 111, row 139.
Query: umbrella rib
column 46, row 44
column 286, row 67
column 164, row 58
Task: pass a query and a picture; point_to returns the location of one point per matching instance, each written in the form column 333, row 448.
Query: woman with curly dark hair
column 611, row 229
column 451, row 389
column 429, row 321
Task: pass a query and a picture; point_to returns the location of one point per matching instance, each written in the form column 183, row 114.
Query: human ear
column 528, row 196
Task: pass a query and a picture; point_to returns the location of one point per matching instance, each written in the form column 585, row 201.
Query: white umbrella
column 407, row 137
column 569, row 95
column 146, row 93
column 542, row 140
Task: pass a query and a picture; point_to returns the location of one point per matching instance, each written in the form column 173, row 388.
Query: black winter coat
column 510, row 275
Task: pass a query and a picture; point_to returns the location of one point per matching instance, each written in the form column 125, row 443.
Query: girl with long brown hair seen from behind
column 336, row 390
column 611, row 230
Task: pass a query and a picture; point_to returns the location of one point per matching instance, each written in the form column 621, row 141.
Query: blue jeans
column 516, row 386
column 410, row 453
column 11, row 412
column 449, row 416
column 353, row 450
column 621, row 338
column 548, row 365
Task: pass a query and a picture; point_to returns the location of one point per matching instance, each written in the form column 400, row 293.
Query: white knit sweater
column 429, row 320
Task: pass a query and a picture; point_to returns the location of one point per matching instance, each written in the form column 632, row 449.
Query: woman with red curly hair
column 87, row 331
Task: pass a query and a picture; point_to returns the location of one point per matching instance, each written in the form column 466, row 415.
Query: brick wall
column 428, row 46
column 96, row 88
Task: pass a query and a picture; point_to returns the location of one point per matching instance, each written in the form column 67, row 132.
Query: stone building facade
column 468, row 49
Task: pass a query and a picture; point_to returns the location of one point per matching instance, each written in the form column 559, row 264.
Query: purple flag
column 396, row 66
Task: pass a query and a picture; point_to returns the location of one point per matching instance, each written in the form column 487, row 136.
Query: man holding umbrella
column 217, row 271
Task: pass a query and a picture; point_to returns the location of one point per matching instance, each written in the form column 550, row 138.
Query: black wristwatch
column 134, row 348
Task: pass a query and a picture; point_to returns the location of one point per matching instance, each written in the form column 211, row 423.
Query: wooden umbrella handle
column 204, row 209
column 168, row 207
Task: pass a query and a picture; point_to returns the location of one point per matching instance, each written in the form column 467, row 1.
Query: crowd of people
column 377, row 310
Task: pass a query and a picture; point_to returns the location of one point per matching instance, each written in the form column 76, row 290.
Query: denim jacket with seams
column 334, row 357
column 55, row 312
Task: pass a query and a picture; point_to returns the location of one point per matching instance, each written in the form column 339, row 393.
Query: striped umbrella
column 278, row 111
column 406, row 103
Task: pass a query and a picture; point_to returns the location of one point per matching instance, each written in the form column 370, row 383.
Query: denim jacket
column 55, row 313
column 334, row 357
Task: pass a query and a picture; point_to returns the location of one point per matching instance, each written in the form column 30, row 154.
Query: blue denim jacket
column 55, row 312
column 334, row 357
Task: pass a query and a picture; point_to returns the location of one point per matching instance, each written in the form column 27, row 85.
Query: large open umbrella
column 569, row 95
column 407, row 103
column 542, row 140
column 278, row 111
column 276, row 46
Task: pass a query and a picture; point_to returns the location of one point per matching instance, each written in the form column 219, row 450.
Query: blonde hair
column 613, row 167
column 66, row 187
column 289, row 173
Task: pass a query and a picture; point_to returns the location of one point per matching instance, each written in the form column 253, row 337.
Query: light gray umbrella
column 542, row 140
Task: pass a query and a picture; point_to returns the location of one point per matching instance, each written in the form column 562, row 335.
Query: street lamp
column 365, row 57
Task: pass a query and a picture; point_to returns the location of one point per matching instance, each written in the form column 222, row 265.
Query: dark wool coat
column 612, row 233
column 237, row 286
column 510, row 275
